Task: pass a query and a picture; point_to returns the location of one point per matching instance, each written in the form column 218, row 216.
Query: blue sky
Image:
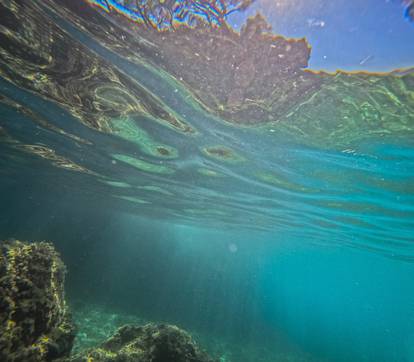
column 371, row 35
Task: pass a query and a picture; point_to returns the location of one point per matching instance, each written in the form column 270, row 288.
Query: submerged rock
column 148, row 343
column 35, row 325
column 34, row 320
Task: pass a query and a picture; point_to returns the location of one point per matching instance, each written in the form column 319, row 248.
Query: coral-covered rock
column 149, row 343
column 34, row 320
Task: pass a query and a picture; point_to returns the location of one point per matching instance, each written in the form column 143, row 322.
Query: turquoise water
column 284, row 235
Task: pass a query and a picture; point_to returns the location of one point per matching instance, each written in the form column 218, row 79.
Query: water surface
column 260, row 203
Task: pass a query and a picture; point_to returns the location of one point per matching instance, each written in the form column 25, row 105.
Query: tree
column 167, row 14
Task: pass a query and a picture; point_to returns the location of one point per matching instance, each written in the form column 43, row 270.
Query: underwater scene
column 207, row 180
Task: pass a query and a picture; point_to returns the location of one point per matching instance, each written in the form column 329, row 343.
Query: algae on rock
column 34, row 321
column 148, row 343
column 35, row 325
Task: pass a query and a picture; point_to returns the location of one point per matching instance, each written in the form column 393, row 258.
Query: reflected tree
column 168, row 14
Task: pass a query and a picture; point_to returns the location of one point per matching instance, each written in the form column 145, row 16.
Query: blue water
column 266, row 293
column 337, row 303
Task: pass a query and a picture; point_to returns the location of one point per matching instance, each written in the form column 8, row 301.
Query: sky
column 368, row 35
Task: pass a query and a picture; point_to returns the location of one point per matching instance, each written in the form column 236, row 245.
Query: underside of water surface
column 197, row 172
